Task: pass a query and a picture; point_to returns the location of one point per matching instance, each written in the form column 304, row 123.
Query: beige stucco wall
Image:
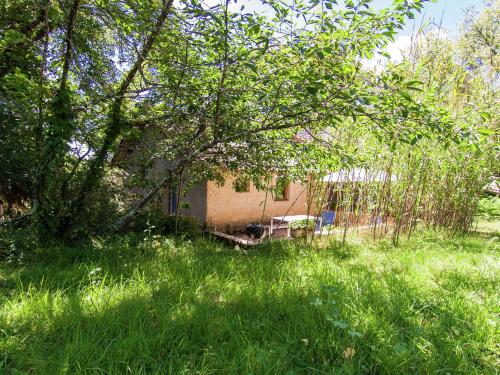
column 228, row 207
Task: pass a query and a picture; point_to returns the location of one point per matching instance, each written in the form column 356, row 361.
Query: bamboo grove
column 427, row 182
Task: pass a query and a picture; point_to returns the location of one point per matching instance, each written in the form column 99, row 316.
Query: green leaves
column 485, row 131
column 17, row 82
column 313, row 90
column 11, row 36
column 414, row 85
column 485, row 116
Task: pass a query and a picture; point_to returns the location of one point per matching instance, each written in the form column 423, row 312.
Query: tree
column 222, row 87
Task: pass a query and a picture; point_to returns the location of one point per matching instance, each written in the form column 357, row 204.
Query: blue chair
column 327, row 218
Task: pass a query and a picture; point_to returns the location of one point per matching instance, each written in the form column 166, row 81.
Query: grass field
column 430, row 306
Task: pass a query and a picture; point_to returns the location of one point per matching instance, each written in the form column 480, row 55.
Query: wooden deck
column 240, row 239
column 245, row 241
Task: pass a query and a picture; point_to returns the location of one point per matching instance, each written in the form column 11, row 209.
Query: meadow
column 196, row 306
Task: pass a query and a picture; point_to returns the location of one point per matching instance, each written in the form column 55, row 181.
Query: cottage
column 493, row 187
column 232, row 205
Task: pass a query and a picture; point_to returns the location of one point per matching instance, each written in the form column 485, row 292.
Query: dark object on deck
column 254, row 230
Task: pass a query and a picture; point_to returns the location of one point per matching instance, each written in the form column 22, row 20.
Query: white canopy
column 357, row 175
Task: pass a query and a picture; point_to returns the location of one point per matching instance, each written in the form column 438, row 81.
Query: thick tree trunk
column 60, row 129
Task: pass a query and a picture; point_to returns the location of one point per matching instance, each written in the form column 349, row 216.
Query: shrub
column 308, row 224
column 489, row 208
column 156, row 222
column 186, row 225
column 103, row 209
column 16, row 244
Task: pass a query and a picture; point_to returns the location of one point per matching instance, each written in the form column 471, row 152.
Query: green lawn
column 165, row 306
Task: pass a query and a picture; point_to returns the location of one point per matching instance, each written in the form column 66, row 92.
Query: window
column 173, row 196
column 241, row 185
column 281, row 189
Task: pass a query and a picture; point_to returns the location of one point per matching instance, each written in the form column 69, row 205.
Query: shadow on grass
column 158, row 334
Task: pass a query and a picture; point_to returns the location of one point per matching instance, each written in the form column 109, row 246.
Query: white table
column 288, row 219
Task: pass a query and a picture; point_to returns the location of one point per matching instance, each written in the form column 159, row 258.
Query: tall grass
column 181, row 307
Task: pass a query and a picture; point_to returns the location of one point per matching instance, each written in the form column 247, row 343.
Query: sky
column 447, row 13
column 451, row 11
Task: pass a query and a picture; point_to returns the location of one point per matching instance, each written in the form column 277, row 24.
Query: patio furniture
column 327, row 218
column 288, row 219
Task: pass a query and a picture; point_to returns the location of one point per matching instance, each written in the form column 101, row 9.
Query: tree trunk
column 96, row 165
column 60, row 128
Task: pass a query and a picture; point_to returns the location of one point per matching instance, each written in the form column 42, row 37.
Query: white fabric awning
column 357, row 175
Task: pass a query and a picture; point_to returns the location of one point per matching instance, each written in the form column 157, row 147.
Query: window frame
column 285, row 190
column 242, row 181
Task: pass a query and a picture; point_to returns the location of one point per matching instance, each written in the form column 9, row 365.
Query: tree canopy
column 224, row 87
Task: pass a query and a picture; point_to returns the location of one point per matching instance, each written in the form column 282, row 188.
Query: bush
column 156, row 222
column 186, row 225
column 308, row 224
column 16, row 244
column 103, row 209
column 489, row 208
